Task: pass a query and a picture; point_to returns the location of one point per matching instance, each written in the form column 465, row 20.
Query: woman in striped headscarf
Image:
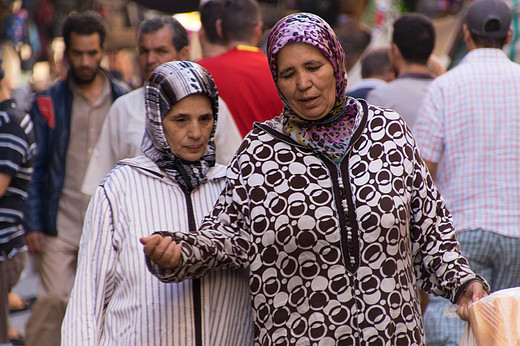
column 332, row 209
column 115, row 300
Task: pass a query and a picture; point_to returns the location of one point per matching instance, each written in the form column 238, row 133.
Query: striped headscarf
column 167, row 85
column 330, row 134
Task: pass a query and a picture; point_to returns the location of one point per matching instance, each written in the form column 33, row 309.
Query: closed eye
column 287, row 73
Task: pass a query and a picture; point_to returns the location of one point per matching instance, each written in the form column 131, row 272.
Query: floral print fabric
column 330, row 134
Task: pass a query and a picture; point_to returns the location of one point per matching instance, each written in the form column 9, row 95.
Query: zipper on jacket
column 344, row 203
column 351, row 225
column 197, row 294
column 346, row 214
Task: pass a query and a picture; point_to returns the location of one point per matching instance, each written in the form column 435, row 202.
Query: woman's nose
column 303, row 81
column 195, row 130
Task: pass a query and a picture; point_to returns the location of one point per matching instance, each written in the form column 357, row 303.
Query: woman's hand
column 473, row 293
column 163, row 251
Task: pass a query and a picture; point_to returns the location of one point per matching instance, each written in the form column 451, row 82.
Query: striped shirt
column 469, row 124
column 116, row 300
column 17, row 149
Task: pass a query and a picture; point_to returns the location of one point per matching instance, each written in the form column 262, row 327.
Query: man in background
column 211, row 43
column 376, row 71
column 241, row 73
column 468, row 131
column 413, row 40
column 160, row 39
column 67, row 119
column 17, row 149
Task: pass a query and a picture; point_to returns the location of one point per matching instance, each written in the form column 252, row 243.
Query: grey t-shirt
column 404, row 95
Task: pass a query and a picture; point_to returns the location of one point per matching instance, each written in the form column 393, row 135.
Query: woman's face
column 187, row 127
column 306, row 80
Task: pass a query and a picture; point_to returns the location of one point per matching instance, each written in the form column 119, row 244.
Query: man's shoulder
column 131, row 98
column 381, row 92
column 236, row 55
column 120, row 88
column 11, row 118
column 55, row 92
column 55, row 89
column 396, row 87
column 128, row 106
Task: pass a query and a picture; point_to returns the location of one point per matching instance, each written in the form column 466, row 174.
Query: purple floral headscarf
column 330, row 134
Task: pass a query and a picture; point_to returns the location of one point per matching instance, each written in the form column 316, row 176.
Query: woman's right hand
column 163, row 251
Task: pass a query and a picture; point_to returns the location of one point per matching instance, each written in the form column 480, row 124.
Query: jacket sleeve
column 94, row 283
column 440, row 267
column 221, row 242
column 33, row 215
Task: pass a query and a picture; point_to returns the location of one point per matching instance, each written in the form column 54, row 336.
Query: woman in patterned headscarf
column 115, row 299
column 332, row 209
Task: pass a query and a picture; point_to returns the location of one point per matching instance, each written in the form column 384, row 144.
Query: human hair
column 211, row 11
column 179, row 33
column 239, row 19
column 86, row 23
column 376, row 62
column 488, row 42
column 414, row 35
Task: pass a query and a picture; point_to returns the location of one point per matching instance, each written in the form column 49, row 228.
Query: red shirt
column 245, row 83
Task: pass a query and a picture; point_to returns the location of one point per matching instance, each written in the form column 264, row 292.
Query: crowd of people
column 256, row 198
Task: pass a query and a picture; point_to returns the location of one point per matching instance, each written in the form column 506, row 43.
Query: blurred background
column 33, row 50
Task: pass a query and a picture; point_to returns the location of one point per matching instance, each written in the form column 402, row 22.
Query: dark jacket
column 51, row 114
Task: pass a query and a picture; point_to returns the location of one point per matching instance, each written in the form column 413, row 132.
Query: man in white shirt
column 160, row 40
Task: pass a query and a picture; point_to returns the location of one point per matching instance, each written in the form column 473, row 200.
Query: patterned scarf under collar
column 330, row 134
column 168, row 84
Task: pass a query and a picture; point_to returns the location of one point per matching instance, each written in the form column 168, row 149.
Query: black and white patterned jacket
column 335, row 253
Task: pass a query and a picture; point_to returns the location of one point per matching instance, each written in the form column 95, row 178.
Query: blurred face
column 156, row 48
column 84, row 55
column 306, row 80
column 187, row 127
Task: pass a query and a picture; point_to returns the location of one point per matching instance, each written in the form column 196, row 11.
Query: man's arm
column 5, row 180
column 432, row 167
column 33, row 216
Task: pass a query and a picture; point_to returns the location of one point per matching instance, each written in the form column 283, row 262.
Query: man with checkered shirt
column 468, row 131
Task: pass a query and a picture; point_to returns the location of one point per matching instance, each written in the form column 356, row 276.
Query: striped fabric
column 167, row 85
column 116, row 301
column 491, row 255
column 17, row 149
column 470, row 117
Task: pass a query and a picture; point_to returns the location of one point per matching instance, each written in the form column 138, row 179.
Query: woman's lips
column 309, row 101
column 193, row 148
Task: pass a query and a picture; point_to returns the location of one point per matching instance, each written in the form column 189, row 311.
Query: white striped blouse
column 116, row 300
